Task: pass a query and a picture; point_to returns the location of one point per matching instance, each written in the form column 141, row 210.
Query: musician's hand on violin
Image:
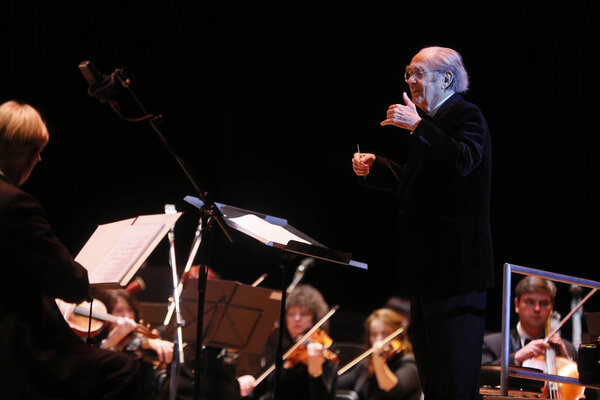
column 386, row 379
column 533, row 349
column 315, row 358
column 380, row 352
column 162, row 348
column 246, row 384
column 66, row 309
column 123, row 327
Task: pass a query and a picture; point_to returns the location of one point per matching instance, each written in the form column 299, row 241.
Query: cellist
column 534, row 304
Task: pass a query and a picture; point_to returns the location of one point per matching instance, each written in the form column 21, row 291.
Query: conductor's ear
column 448, row 78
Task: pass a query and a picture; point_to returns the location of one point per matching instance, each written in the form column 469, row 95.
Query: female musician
column 310, row 380
column 390, row 371
column 152, row 352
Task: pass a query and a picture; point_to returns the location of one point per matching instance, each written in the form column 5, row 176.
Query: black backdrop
column 266, row 104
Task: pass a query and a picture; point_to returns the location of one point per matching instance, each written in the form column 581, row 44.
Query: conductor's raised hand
column 402, row 115
column 362, row 162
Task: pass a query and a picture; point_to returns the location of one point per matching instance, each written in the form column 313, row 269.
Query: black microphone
column 101, row 86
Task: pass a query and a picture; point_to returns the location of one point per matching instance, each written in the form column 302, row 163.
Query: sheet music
column 126, row 251
column 266, row 230
column 115, row 252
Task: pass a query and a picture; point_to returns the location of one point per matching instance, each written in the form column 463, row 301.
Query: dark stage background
column 266, row 104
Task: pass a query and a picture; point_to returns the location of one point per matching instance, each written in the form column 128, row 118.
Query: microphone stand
column 208, row 213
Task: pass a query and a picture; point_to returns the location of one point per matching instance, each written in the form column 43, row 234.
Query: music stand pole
column 205, row 245
column 282, row 326
column 169, row 209
column 191, row 257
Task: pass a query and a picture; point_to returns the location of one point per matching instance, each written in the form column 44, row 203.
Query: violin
column 315, row 329
column 300, row 353
column 393, row 347
column 78, row 318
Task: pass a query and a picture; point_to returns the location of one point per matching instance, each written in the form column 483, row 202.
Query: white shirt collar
column 439, row 104
column 522, row 334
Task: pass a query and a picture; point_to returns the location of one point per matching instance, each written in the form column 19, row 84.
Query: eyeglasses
column 299, row 315
column 417, row 72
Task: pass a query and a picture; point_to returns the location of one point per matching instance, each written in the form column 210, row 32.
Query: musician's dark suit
column 492, row 346
column 41, row 357
column 441, row 177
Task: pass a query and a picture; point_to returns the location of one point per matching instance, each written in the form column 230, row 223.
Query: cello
column 552, row 364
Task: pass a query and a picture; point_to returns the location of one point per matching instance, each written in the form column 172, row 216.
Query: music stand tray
column 277, row 232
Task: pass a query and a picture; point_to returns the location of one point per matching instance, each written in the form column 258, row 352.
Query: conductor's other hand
column 246, row 384
column 362, row 162
column 402, row 115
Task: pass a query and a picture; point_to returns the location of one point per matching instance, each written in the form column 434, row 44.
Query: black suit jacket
column 442, row 183
column 38, row 348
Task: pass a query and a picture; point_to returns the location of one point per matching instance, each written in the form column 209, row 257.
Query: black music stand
column 236, row 316
column 278, row 233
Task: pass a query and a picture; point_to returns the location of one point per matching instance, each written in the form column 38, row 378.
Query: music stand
column 278, row 233
column 236, row 316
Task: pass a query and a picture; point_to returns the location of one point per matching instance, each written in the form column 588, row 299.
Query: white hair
column 448, row 60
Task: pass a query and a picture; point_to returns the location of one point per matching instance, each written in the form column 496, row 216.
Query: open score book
column 116, row 251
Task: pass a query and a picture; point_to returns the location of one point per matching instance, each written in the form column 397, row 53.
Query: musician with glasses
column 441, row 178
column 312, row 379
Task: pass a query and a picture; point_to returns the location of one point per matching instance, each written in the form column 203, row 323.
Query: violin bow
column 297, row 344
column 352, row 363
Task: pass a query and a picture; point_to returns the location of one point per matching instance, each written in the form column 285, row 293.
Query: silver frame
column 505, row 369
